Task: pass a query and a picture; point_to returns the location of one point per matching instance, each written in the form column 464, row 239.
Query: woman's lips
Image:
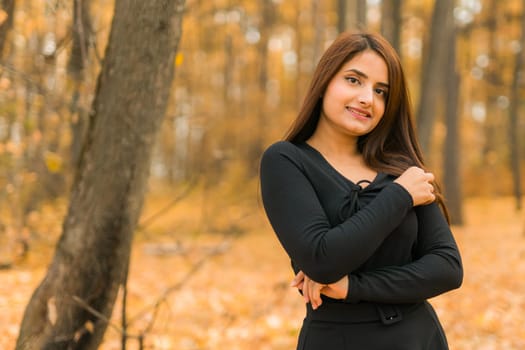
column 359, row 113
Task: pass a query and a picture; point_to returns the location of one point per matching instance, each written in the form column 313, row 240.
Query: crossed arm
column 436, row 269
column 326, row 255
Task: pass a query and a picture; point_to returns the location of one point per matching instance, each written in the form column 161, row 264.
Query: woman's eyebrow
column 358, row 72
column 363, row 75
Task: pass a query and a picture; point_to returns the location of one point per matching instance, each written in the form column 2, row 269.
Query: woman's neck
column 343, row 155
column 334, row 145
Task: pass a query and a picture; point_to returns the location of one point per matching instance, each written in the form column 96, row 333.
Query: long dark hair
column 392, row 147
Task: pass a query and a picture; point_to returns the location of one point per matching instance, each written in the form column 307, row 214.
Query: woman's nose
column 365, row 96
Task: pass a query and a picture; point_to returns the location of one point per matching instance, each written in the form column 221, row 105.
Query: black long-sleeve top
column 330, row 227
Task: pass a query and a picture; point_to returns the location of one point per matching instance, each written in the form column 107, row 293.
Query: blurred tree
column 495, row 83
column 513, row 129
column 357, row 14
column 391, row 22
column 71, row 306
column 351, row 14
column 255, row 146
column 82, row 35
column 341, row 15
column 432, row 73
column 452, row 145
column 502, row 30
column 7, row 9
column 299, row 48
column 319, row 27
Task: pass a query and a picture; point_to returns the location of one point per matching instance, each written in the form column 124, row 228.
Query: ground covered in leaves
column 225, row 286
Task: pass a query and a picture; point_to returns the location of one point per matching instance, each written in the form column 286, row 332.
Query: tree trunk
column 452, row 147
column 391, row 22
column 93, row 252
column 81, row 37
column 299, row 45
column 8, row 6
column 341, row 15
column 513, row 122
column 76, row 67
column 319, row 27
column 433, row 68
column 255, row 145
column 493, row 77
column 357, row 12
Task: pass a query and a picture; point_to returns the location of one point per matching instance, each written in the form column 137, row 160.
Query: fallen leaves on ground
column 216, row 291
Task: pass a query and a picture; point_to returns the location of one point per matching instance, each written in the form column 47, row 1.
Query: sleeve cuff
column 353, row 287
column 403, row 192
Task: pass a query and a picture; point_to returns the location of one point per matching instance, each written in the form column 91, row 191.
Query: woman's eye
column 352, row 80
column 381, row 92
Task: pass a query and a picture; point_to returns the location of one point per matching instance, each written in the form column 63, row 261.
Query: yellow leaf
column 179, row 59
column 53, row 162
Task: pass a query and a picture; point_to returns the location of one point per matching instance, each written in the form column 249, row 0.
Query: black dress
column 395, row 255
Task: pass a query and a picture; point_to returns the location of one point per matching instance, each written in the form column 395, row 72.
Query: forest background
column 206, row 271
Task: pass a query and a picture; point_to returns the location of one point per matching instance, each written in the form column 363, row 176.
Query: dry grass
column 236, row 296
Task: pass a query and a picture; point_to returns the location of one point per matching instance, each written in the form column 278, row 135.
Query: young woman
column 351, row 203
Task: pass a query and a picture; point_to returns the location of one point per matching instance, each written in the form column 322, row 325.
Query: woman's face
column 354, row 100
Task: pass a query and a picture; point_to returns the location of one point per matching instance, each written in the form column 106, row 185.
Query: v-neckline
column 337, row 173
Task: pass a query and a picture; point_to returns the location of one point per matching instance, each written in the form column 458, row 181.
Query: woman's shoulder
column 282, row 151
column 283, row 148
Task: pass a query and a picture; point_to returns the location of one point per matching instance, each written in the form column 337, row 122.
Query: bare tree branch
column 218, row 249
column 146, row 222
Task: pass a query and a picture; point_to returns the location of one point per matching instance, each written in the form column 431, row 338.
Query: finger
column 306, row 289
column 330, row 291
column 311, row 286
column 431, row 199
column 316, row 296
column 297, row 279
column 300, row 286
column 311, row 293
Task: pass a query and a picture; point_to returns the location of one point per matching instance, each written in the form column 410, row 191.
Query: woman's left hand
column 312, row 290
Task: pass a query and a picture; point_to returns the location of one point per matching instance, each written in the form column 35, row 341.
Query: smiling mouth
column 358, row 112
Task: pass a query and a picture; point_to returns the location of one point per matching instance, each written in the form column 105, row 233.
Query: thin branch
column 146, row 222
column 124, row 307
column 79, row 26
column 95, row 313
column 103, row 318
column 219, row 249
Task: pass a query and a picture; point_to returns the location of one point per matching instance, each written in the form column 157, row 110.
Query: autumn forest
column 131, row 135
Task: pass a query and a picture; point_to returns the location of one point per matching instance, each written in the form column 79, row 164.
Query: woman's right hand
column 419, row 184
column 312, row 290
